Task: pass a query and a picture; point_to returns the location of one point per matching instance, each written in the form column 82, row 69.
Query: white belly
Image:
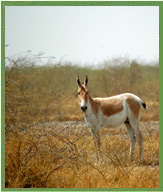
column 110, row 122
column 116, row 119
column 100, row 119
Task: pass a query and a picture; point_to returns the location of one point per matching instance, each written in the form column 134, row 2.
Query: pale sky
column 84, row 34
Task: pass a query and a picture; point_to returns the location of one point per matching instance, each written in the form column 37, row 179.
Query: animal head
column 83, row 93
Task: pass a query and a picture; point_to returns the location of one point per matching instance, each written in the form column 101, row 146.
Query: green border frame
column 78, row 3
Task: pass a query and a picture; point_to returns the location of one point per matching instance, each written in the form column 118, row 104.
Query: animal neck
column 91, row 101
column 93, row 105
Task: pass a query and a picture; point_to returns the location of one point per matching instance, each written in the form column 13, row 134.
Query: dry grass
column 56, row 155
column 59, row 155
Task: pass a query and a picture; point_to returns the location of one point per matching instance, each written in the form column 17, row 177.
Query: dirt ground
column 80, row 127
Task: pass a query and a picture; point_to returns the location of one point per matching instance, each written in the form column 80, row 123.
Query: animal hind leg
column 135, row 126
column 132, row 138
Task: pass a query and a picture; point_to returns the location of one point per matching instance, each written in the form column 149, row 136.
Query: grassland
column 46, row 143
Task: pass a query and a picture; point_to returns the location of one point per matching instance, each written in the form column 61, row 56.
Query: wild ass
column 113, row 111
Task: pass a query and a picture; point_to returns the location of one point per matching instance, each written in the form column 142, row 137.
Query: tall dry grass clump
column 46, row 144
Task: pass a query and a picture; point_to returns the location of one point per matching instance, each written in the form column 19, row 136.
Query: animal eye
column 78, row 93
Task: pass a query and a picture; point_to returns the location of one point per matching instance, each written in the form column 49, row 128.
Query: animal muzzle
column 84, row 108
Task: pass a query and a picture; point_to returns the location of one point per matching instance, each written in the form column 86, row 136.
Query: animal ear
column 86, row 81
column 78, row 81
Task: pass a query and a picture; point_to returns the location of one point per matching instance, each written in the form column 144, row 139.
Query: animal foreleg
column 97, row 140
column 98, row 135
column 93, row 131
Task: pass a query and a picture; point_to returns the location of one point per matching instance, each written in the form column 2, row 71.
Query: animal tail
column 143, row 104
